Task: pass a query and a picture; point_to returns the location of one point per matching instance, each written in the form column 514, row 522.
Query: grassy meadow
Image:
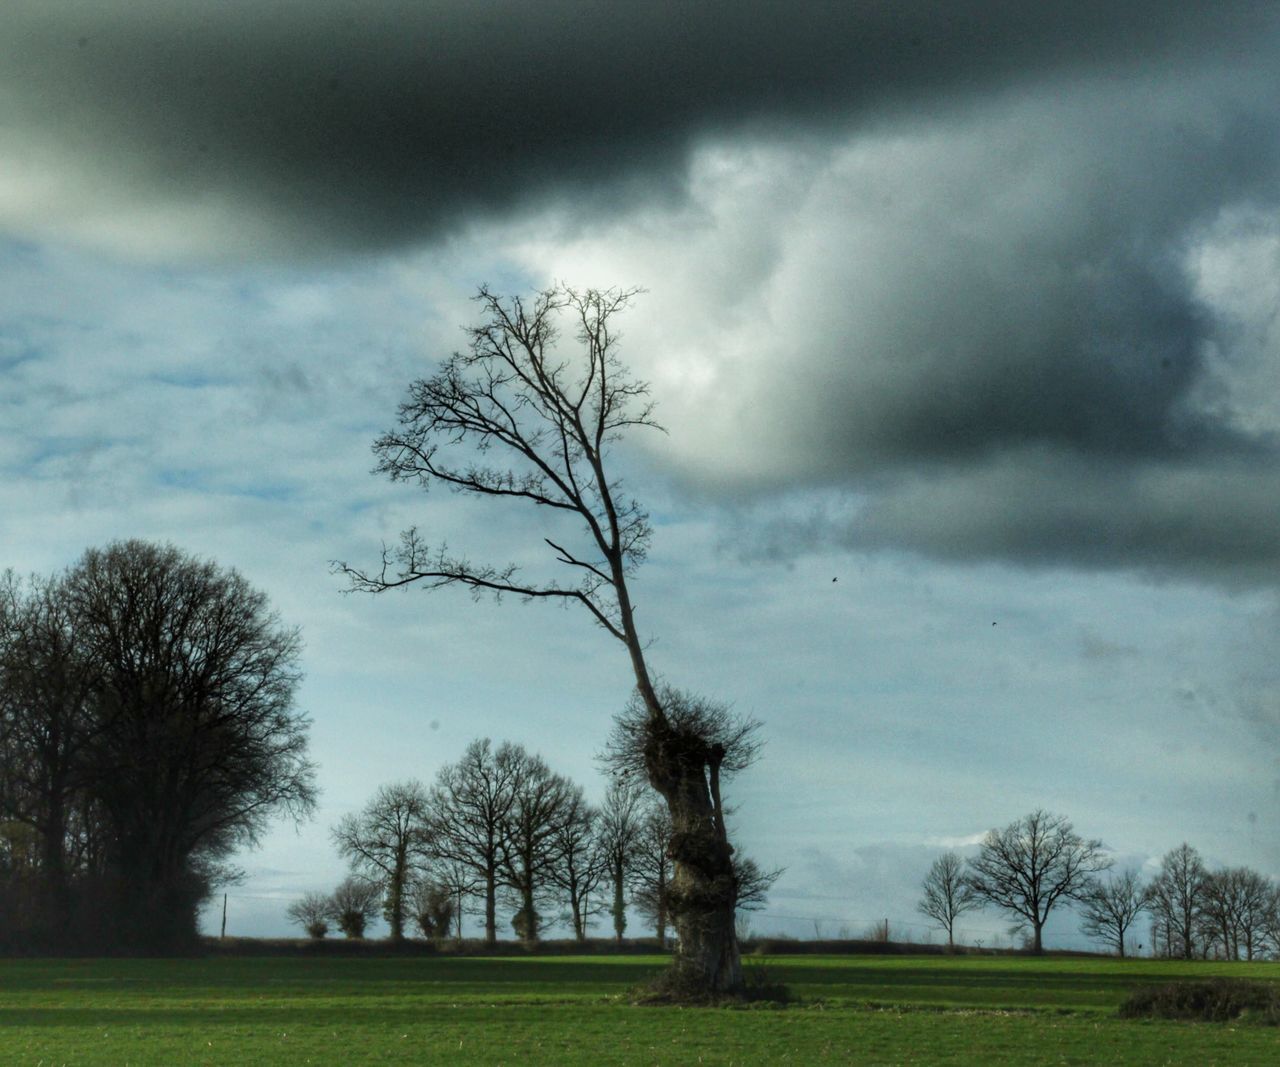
column 567, row 1010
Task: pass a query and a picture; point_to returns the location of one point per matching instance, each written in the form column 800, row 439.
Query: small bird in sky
column 835, row 579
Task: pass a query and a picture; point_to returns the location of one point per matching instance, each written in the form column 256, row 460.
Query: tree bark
column 703, row 890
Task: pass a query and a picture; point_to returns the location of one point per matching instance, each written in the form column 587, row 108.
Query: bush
column 1217, row 1000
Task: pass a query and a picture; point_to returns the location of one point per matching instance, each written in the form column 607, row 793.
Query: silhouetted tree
column 148, row 725
column 531, row 829
column 579, row 864
column 1177, row 899
column 947, row 894
column 386, row 842
column 312, row 912
column 1032, row 865
column 652, row 870
column 353, row 904
column 619, row 827
column 432, row 905
column 552, row 418
column 753, row 883
column 1233, row 913
column 1109, row 907
column 468, row 808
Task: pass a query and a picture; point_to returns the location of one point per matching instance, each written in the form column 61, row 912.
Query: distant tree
column 469, row 806
column 580, row 864
column 312, row 912
column 432, row 905
column 353, row 904
column 947, row 894
column 753, row 883
column 1177, row 900
column 1109, row 907
column 1032, row 865
column 1234, row 911
column 386, row 842
column 531, row 832
column 618, row 828
column 652, row 869
column 520, row 418
column 148, row 730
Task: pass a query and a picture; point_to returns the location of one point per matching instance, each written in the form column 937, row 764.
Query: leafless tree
column 353, row 904
column 531, row 831
column 151, row 731
column 947, row 894
column 1109, row 907
column 618, row 828
column 1032, row 865
column 1177, row 899
column 552, row 419
column 433, row 905
column 652, row 870
column 312, row 912
column 580, row 863
column 1234, row 912
column 469, row 805
column 386, row 842
column 753, row 883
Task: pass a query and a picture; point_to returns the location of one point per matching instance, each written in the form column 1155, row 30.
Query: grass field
column 561, row 1010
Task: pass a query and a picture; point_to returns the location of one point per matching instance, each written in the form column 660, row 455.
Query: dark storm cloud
column 331, row 123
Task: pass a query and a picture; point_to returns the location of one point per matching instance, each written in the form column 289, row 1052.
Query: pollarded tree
column 353, row 904
column 1032, row 865
column 312, row 911
column 1108, row 908
column 386, row 842
column 947, row 894
column 519, row 418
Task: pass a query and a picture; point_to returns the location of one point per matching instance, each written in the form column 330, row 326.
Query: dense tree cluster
column 500, row 828
column 147, row 730
column 1032, row 864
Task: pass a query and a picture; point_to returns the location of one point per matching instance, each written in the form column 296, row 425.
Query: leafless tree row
column 1039, row 861
column 501, row 829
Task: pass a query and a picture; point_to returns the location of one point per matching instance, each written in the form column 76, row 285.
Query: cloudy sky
column 972, row 306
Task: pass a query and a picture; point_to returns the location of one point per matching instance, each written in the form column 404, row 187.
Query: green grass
column 353, row 1010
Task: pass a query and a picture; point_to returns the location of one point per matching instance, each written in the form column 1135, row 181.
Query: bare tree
column 580, row 863
column 1177, row 899
column 386, row 842
column 1234, row 911
column 947, row 894
column 531, row 831
column 469, row 806
column 432, row 905
column 1032, row 865
column 1108, row 908
column 312, row 912
column 652, row 870
column 151, row 731
column 353, row 904
column 553, row 418
column 618, row 828
column 753, row 883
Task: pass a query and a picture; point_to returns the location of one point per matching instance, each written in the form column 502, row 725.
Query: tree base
column 681, row 985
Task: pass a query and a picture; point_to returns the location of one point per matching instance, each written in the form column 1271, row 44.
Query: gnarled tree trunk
column 703, row 891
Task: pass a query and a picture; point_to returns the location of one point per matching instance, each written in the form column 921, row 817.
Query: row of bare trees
column 501, row 828
column 1039, row 861
column 147, row 730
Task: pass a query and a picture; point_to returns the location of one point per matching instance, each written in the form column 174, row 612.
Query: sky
column 972, row 307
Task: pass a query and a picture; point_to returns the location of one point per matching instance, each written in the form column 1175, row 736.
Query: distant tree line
column 147, row 729
column 1037, row 862
column 501, row 830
